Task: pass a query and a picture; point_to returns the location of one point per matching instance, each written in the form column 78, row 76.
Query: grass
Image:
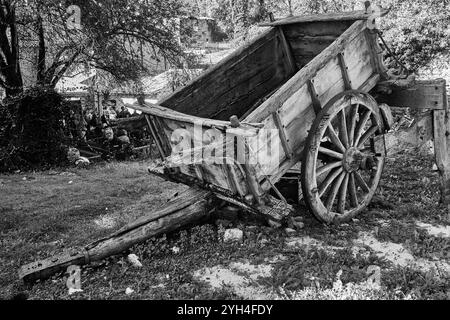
column 52, row 211
column 49, row 211
column 306, row 268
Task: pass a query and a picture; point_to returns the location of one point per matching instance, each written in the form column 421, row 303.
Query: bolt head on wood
column 235, row 122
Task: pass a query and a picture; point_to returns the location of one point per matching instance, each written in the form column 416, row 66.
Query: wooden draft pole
column 189, row 207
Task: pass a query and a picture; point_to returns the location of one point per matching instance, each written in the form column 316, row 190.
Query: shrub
column 32, row 130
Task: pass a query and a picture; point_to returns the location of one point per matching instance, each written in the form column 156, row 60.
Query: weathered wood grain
column 344, row 70
column 442, row 153
column 357, row 58
column 236, row 83
column 282, row 134
column 130, row 124
column 155, row 136
column 317, row 29
column 376, row 53
column 288, row 51
column 340, row 16
column 422, row 95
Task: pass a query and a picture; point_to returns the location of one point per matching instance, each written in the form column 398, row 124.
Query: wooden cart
column 307, row 79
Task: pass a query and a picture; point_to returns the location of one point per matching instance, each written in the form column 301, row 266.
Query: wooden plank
column 422, row 95
column 214, row 174
column 376, row 53
column 309, row 48
column 340, row 16
column 258, row 103
column 132, row 123
column 344, row 70
column 304, row 54
column 370, row 83
column 282, row 133
column 445, row 171
column 328, row 81
column 314, row 30
column 314, row 97
column 239, row 180
column 199, row 172
column 160, row 124
column 298, row 115
column 252, row 184
column 288, row 51
column 165, row 113
column 262, row 150
column 231, row 59
column 309, row 40
column 358, row 60
column 441, row 153
column 230, row 178
column 236, row 99
column 155, row 137
column 235, row 84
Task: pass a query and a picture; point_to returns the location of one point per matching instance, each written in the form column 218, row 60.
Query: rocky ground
column 398, row 249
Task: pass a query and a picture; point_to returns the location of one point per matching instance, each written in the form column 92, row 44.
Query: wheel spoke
column 343, row 129
column 328, row 167
column 335, row 139
column 352, row 187
column 334, row 191
column 343, row 195
column 328, row 181
column 367, row 135
column 361, row 127
column 361, row 182
column 331, row 153
column 351, row 132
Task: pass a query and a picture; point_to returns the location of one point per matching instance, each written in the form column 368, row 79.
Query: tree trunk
column 42, row 51
column 10, row 73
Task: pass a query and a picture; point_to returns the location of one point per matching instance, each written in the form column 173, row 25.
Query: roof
column 155, row 86
column 78, row 83
column 340, row 16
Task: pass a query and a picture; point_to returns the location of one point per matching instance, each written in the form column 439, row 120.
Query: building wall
column 204, row 30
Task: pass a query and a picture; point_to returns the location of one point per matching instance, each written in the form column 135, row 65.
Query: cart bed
column 279, row 81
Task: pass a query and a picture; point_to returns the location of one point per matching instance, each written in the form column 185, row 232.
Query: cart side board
column 238, row 82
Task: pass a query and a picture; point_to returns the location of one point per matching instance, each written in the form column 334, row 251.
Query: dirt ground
column 398, row 249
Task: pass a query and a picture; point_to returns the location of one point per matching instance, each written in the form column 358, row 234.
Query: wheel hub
column 353, row 159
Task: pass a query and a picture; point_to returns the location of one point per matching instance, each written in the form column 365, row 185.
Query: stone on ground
column 233, row 235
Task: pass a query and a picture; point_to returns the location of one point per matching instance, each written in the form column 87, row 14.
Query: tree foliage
column 110, row 38
column 416, row 30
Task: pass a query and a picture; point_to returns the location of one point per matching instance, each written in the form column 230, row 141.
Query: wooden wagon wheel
column 344, row 157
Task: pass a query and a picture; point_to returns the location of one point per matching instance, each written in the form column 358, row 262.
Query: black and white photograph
column 246, row 152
